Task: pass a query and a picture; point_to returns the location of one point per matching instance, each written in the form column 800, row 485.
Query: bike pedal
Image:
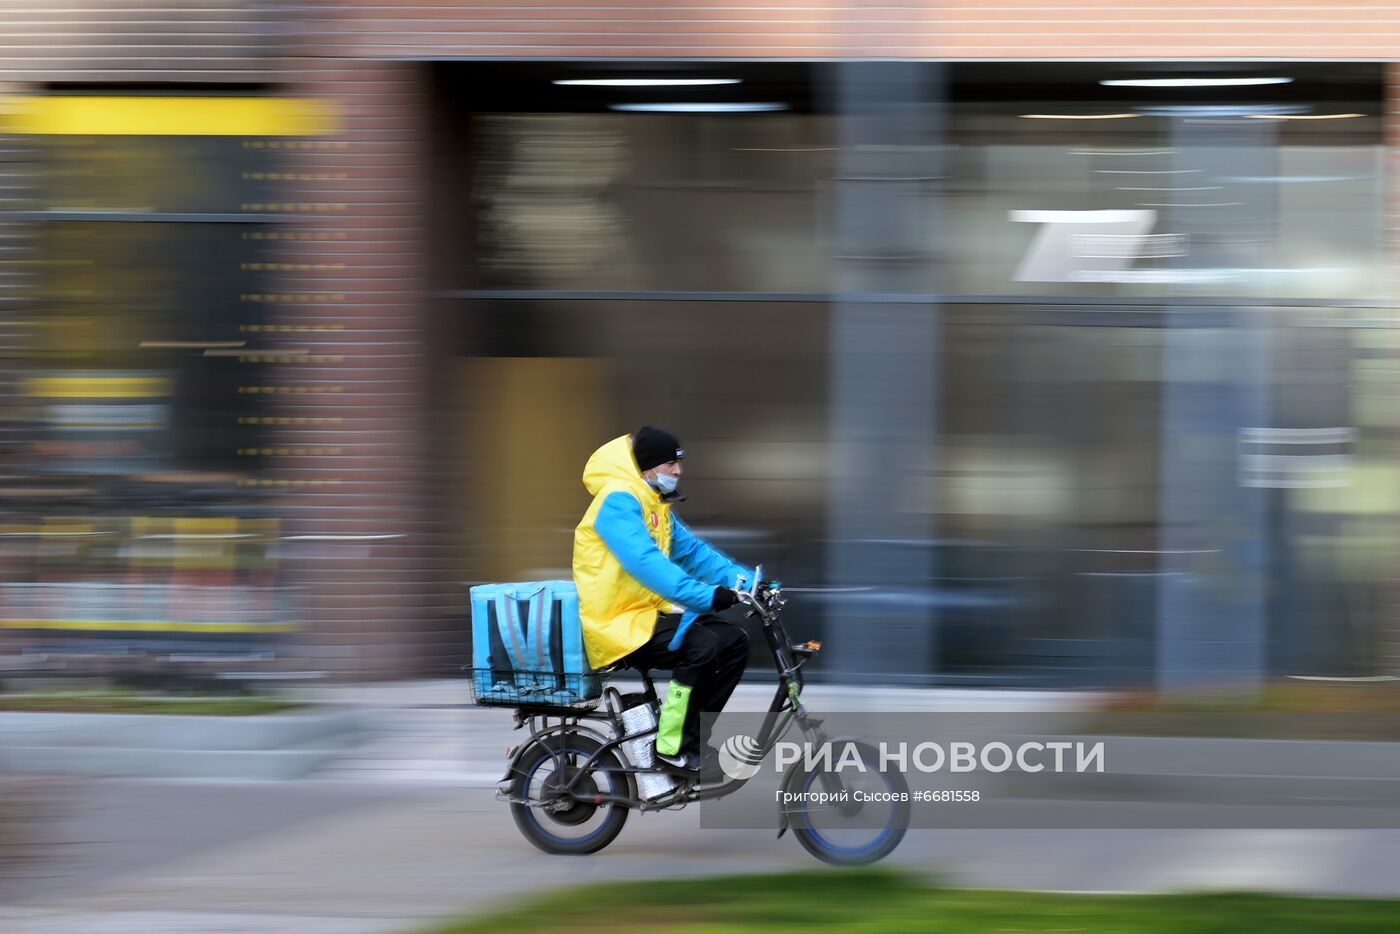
column 671, row 768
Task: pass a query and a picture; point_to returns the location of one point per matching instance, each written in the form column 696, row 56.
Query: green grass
column 116, row 700
column 881, row 902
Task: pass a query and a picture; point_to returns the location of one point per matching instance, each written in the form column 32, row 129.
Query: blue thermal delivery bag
column 527, row 645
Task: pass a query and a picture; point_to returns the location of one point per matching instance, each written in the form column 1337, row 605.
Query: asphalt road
column 118, row 856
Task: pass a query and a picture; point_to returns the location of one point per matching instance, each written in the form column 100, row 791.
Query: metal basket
column 508, row 687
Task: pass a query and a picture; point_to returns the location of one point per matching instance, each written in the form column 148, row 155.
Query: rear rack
column 544, row 691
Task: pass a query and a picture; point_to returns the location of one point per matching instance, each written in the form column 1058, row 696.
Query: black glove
column 723, row 600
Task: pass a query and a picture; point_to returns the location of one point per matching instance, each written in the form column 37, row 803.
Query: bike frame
column 785, row 709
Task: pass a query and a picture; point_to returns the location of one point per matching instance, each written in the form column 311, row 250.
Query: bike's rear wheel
column 854, row 832
column 555, row 822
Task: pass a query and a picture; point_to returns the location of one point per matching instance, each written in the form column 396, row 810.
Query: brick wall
column 138, row 40
column 353, row 405
column 1114, row 29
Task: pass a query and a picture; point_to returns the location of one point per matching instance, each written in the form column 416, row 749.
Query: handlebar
column 757, row 580
column 762, row 596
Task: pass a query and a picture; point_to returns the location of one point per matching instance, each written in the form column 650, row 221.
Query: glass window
column 1089, row 424
column 740, row 383
column 153, row 174
column 1062, row 185
column 132, row 504
column 731, row 195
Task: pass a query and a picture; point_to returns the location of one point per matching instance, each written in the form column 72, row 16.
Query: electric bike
column 583, row 767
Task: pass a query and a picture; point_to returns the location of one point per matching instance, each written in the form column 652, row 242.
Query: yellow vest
column 617, row 612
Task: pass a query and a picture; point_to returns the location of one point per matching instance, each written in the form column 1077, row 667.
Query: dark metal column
column 883, row 376
column 1212, row 613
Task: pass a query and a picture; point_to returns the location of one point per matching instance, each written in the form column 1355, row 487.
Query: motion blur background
column 1022, row 360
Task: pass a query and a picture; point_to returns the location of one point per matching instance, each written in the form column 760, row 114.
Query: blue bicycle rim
column 852, row 850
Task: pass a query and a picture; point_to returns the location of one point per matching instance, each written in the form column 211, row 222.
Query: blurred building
column 1030, row 342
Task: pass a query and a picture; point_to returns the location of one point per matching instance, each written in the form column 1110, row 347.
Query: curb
column 271, row 746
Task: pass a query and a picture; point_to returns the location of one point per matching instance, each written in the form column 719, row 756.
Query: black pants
column 711, row 659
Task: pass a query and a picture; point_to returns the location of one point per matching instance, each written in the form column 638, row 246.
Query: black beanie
column 653, row 447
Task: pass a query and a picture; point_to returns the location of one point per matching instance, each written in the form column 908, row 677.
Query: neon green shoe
column 670, row 729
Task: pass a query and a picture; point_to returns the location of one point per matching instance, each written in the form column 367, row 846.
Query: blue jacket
column 687, row 577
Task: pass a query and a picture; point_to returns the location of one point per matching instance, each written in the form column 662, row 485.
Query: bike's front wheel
column 845, row 813
column 560, row 823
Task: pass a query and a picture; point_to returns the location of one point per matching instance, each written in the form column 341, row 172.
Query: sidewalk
column 752, row 695
column 132, row 857
column 427, row 730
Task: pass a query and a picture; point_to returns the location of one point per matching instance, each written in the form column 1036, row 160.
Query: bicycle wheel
column 863, row 828
column 557, row 823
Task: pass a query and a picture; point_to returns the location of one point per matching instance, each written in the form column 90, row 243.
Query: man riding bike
column 649, row 588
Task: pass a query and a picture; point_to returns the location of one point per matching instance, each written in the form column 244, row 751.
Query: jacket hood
column 613, row 465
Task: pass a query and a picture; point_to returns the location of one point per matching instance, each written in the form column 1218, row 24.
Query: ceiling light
column 1121, row 152
column 1218, row 110
column 1304, row 116
column 1191, row 82
column 1074, row 217
column 713, row 107
column 1076, row 116
column 645, row 82
column 1290, row 179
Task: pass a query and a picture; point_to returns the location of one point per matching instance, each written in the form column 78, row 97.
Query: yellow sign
column 96, row 387
column 166, row 116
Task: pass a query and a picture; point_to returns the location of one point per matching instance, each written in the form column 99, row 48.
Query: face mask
column 664, row 483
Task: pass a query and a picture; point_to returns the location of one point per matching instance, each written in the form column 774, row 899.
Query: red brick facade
column 356, row 402
column 991, row 29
